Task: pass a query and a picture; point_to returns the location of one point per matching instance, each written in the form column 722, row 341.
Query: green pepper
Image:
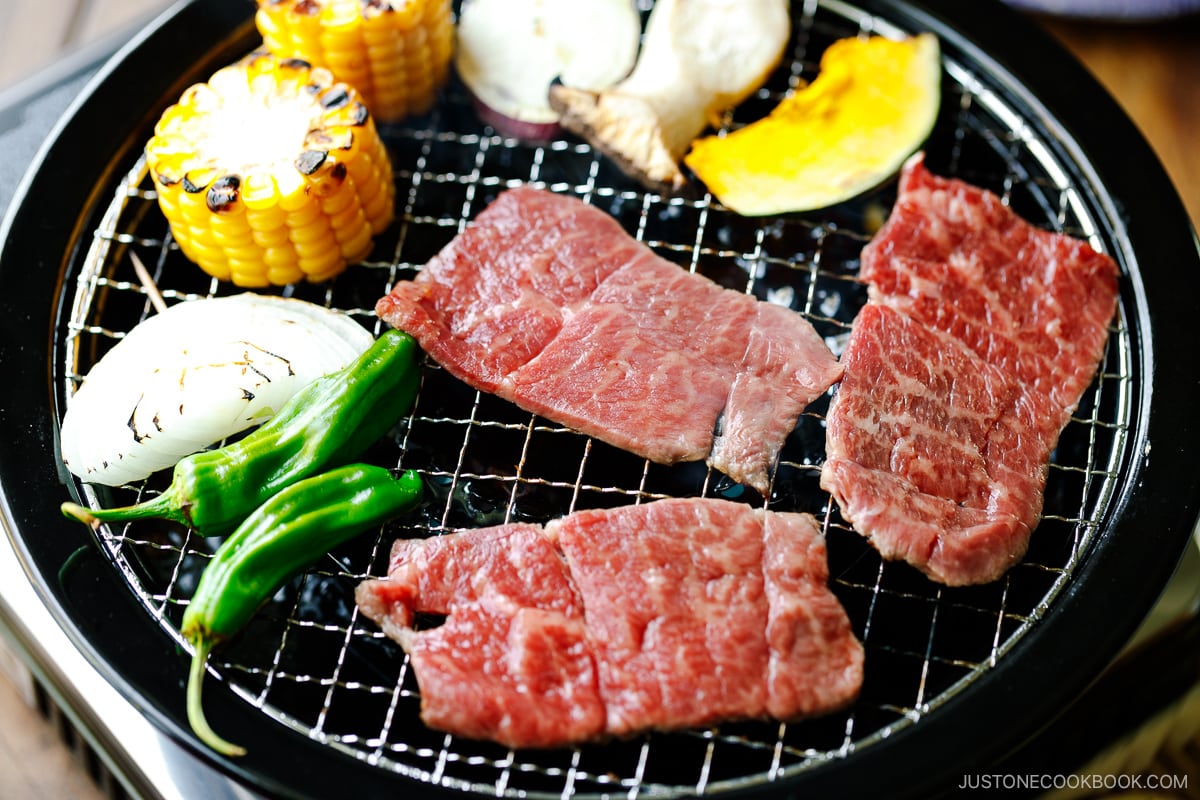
column 329, row 422
column 273, row 544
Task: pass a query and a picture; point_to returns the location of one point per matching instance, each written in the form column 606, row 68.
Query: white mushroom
column 509, row 52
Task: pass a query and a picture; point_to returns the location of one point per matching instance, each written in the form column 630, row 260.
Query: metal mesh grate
column 310, row 662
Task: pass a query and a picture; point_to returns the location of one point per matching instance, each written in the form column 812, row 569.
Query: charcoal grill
column 325, row 701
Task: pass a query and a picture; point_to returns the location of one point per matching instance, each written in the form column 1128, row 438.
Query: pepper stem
column 79, row 514
column 163, row 506
column 195, row 709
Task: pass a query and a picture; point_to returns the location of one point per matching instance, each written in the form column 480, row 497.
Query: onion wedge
column 201, row 371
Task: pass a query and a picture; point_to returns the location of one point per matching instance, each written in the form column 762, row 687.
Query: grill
column 310, row 661
column 311, row 666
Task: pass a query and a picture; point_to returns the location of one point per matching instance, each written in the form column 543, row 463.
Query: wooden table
column 1153, row 71
column 35, row 33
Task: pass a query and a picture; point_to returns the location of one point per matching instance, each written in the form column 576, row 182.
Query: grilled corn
column 271, row 173
column 395, row 52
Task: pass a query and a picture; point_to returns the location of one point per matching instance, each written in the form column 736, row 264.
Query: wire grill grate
column 310, row 662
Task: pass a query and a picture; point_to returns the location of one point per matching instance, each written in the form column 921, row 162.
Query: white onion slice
column 199, row 372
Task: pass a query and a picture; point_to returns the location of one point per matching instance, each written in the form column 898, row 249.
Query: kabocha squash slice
column 872, row 105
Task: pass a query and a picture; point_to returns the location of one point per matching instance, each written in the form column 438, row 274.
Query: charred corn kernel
column 322, row 260
column 259, row 193
column 279, row 258
column 395, row 52
column 356, row 247
column 345, row 219
column 246, row 166
column 338, row 201
column 267, row 238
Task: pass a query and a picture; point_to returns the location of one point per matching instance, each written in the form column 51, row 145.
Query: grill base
column 112, row 744
column 1113, row 731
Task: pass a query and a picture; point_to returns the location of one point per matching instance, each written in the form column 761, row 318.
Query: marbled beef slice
column 665, row 615
column 545, row 301
column 981, row 334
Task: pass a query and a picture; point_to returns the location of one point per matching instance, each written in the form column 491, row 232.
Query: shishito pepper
column 282, row 537
column 330, row 422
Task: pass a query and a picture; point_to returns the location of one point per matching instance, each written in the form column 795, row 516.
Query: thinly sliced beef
column 666, row 615
column 774, row 383
column 511, row 662
column 646, row 364
column 547, row 302
column 981, row 334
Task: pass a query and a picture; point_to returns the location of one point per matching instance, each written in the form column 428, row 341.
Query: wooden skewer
column 156, row 298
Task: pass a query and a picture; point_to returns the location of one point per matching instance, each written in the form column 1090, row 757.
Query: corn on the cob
column 395, row 52
column 271, row 172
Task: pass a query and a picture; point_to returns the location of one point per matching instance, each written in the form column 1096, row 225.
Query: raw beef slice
column 666, row 615
column 548, row 303
column 980, row 336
